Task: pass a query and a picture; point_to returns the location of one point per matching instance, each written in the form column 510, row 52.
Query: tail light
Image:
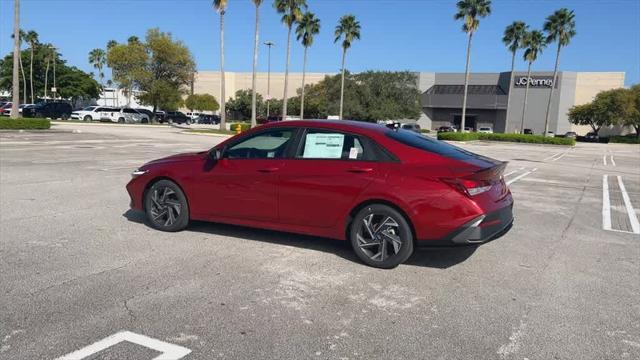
column 469, row 187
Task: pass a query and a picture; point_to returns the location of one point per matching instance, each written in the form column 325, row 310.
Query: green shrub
column 243, row 127
column 26, row 124
column 532, row 139
column 425, row 131
column 628, row 139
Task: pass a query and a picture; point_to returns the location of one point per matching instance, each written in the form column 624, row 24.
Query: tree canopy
column 202, row 102
column 611, row 107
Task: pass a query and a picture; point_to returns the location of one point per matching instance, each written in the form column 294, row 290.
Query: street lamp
column 269, row 44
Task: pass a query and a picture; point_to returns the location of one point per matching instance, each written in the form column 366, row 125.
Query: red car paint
column 318, row 197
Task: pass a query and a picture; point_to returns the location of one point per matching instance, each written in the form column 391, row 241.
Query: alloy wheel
column 165, row 206
column 379, row 237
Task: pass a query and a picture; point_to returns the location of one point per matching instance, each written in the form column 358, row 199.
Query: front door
column 243, row 184
column 329, row 171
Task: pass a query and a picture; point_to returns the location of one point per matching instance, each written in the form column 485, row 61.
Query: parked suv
column 124, row 115
column 177, row 117
column 53, row 110
column 89, row 113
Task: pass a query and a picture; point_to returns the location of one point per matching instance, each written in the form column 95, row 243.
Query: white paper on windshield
column 353, row 153
column 323, row 146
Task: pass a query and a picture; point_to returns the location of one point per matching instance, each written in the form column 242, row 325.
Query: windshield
column 89, row 108
column 425, row 143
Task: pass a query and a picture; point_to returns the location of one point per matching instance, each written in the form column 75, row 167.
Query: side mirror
column 215, row 154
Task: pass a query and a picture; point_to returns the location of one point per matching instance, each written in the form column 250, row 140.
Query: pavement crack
column 132, row 316
column 78, row 278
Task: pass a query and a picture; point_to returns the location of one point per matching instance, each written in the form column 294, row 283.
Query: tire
column 166, row 197
column 121, row 120
column 381, row 236
column 88, row 118
column 188, row 122
column 64, row 117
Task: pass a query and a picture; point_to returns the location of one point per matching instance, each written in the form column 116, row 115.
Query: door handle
column 269, row 169
column 360, row 170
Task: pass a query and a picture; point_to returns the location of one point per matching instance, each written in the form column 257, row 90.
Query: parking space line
column 633, row 219
column 604, row 159
column 509, row 182
column 552, row 156
column 514, row 171
column 612, row 161
column 167, row 350
column 606, row 204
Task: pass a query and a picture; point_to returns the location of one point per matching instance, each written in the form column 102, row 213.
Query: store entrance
column 470, row 121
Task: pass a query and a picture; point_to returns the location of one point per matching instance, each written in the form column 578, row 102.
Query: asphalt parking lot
column 78, row 268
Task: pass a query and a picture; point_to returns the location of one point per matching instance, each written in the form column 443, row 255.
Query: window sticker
column 353, row 153
column 271, row 154
column 323, row 146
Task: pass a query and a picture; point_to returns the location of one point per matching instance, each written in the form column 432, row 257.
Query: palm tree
column 307, row 28
column 221, row 8
column 32, row 39
column 49, row 56
column 21, row 35
column 469, row 11
column 560, row 27
column 98, row 58
column 533, row 44
column 291, row 11
column 512, row 38
column 111, row 43
column 15, row 91
column 257, row 3
column 348, row 29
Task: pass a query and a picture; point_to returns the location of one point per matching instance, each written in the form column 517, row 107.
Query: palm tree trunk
column 25, row 98
column 286, row 76
column 255, row 65
column 513, row 65
column 466, row 84
column 553, row 86
column 304, row 71
column 31, row 73
column 15, row 92
column 344, row 54
column 46, row 77
column 223, row 110
column 526, row 93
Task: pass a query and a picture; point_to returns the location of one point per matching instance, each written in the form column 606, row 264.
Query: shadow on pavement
column 440, row 258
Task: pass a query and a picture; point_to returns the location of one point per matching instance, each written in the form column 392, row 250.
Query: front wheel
column 88, row 118
column 64, row 116
column 166, row 206
column 381, row 236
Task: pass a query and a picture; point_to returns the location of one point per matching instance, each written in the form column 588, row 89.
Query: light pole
column 269, row 45
column 55, row 89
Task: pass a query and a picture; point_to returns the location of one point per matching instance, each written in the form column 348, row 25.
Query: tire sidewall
column 88, row 118
column 182, row 221
column 406, row 233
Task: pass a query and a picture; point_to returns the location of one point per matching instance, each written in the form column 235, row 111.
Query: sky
column 415, row 35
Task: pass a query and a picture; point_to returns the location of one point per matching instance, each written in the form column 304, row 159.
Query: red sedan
column 385, row 190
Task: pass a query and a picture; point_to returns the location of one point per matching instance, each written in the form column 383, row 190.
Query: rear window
column 425, row 143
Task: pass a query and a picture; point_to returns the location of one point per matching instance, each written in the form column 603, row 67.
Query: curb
column 204, row 134
column 107, row 124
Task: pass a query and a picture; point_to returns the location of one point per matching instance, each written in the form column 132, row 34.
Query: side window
column 267, row 145
column 319, row 144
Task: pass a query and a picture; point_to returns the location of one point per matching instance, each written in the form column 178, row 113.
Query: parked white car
column 485, row 129
column 89, row 113
column 123, row 115
column 193, row 115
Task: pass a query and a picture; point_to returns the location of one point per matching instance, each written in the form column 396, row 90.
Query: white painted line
column 612, row 161
column 169, row 351
column 520, row 177
column 560, row 157
column 514, row 171
column 633, row 219
column 604, row 160
column 606, row 204
column 552, row 156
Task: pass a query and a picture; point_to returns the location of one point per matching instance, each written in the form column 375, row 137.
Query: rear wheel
column 166, row 206
column 381, row 236
column 121, row 120
column 64, row 116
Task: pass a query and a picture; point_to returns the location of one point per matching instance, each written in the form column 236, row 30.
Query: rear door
column 329, row 171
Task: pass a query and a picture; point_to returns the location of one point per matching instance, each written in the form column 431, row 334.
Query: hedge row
column 243, row 127
column 522, row 138
column 26, row 124
column 625, row 139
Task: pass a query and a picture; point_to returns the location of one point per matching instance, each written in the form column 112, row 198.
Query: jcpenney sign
column 537, row 81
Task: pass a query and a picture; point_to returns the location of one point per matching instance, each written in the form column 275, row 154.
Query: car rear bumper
column 481, row 229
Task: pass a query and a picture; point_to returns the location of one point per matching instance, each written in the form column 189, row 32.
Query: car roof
column 344, row 125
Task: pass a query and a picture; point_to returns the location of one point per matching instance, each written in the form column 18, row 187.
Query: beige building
column 209, row 82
